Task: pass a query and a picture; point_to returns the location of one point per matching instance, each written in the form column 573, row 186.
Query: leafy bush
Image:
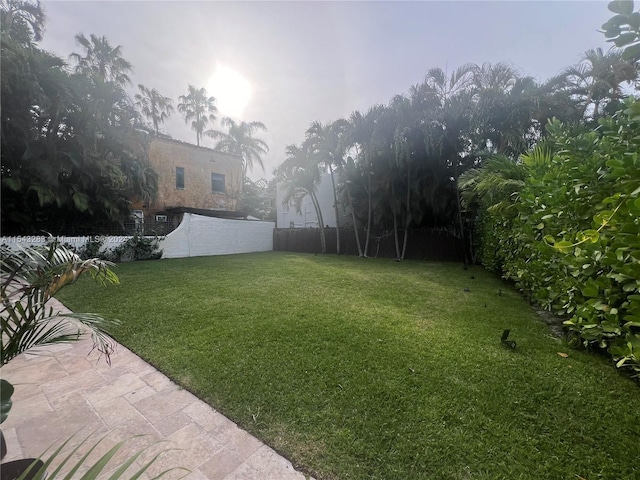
column 137, row 247
column 570, row 237
column 92, row 249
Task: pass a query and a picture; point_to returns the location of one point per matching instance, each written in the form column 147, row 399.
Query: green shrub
column 137, row 247
column 570, row 238
column 91, row 249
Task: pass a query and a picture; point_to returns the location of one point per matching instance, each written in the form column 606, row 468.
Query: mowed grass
column 371, row 369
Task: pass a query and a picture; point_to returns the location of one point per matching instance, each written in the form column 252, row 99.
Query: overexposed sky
column 307, row 61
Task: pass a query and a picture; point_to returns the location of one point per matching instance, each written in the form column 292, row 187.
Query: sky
column 293, row 63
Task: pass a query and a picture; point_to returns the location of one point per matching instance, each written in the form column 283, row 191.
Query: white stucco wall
column 195, row 237
column 199, row 236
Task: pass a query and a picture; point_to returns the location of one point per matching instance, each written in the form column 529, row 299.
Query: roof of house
column 187, row 144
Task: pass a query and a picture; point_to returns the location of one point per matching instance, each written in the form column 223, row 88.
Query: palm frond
column 30, row 277
column 38, row 469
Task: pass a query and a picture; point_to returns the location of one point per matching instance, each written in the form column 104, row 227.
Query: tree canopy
column 73, row 155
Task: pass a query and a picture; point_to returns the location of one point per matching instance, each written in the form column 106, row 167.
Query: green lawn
column 372, row 369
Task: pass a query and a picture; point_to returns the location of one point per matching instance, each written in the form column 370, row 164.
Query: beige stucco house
column 190, row 178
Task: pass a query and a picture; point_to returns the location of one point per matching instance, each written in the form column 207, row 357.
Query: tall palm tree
column 300, row 176
column 240, row 141
column 364, row 136
column 104, row 62
column 597, row 80
column 25, row 13
column 327, row 144
column 153, row 105
column 199, row 108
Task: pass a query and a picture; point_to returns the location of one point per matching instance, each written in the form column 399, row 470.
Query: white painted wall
column 199, row 236
column 196, row 236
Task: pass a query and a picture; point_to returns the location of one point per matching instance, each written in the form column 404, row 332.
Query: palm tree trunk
column 408, row 212
column 464, row 243
column 395, row 221
column 316, row 205
column 369, row 213
column 335, row 206
column 355, row 225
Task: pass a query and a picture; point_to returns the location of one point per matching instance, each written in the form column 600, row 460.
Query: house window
column 179, row 178
column 217, row 183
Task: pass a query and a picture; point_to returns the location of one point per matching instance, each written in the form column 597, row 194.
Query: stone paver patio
column 63, row 390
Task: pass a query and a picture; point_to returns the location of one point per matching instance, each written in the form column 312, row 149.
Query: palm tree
column 25, row 13
column 363, row 136
column 597, row 80
column 300, row 176
column 327, row 144
column 199, row 108
column 102, row 61
column 153, row 105
column 240, row 141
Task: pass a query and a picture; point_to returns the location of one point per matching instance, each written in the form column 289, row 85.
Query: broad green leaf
column 625, row 39
column 623, row 7
column 6, row 391
column 81, row 201
column 629, row 53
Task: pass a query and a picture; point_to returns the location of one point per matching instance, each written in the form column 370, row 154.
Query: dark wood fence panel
column 424, row 244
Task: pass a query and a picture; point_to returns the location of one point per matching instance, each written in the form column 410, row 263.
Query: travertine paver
column 63, row 390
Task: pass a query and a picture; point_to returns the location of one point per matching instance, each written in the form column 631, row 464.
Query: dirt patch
column 553, row 322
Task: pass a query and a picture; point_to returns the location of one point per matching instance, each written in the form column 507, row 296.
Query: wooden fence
column 423, row 244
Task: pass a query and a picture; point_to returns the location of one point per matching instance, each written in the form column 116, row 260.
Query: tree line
column 74, row 143
column 397, row 166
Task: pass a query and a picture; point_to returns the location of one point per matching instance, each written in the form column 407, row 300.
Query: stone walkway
column 62, row 390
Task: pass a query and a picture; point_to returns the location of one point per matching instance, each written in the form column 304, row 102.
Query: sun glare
column 231, row 90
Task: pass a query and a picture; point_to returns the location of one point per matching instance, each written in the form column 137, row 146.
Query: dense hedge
column 570, row 238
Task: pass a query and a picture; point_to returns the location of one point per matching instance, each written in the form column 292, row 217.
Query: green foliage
column 623, row 29
column 6, row 391
column 92, row 248
column 257, row 199
column 137, row 247
column 73, row 155
column 30, row 277
column 571, row 240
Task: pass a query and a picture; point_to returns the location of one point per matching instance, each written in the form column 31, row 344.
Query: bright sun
column 231, row 90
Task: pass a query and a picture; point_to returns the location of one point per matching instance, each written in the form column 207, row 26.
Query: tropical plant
column 256, row 199
column 72, row 153
column 21, row 17
column 361, row 134
column 327, row 144
column 153, row 105
column 199, row 108
column 240, row 141
column 30, row 277
column 623, row 29
column 137, row 248
column 300, row 175
column 102, row 61
column 563, row 225
column 37, row 469
column 597, row 81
